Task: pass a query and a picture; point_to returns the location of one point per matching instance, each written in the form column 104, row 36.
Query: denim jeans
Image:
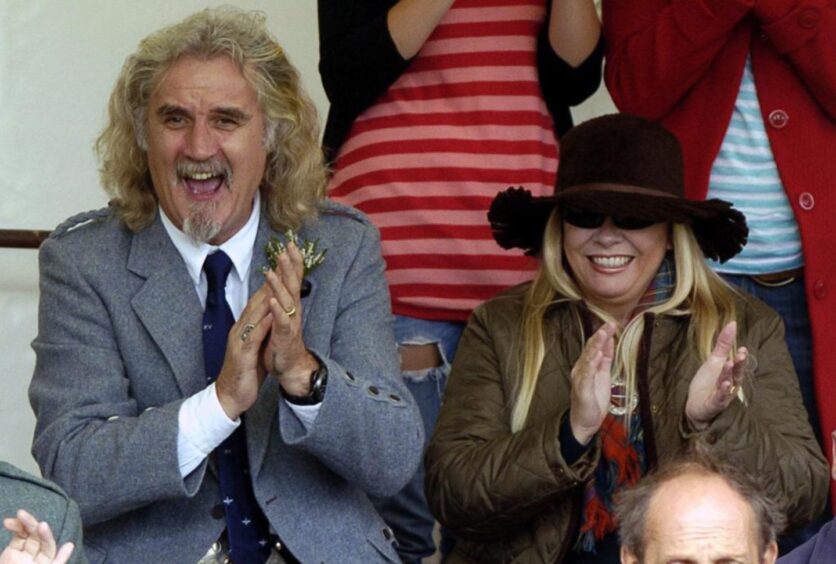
column 407, row 512
column 790, row 302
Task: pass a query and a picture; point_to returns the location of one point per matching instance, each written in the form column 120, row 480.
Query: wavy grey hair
column 295, row 175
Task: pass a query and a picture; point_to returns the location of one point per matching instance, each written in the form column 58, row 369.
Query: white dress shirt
column 203, row 424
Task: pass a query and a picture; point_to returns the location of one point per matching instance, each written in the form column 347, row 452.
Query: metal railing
column 22, row 238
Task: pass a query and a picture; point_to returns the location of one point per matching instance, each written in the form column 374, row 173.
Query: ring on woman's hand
column 290, row 312
column 248, row 328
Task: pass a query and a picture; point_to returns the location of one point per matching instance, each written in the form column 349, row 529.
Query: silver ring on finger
column 248, row 328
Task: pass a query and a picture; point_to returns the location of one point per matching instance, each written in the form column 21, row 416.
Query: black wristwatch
column 319, row 380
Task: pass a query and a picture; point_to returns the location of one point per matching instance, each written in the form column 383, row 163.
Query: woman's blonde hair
column 295, row 175
column 698, row 292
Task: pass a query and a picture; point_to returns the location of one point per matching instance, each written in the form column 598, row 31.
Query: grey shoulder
column 12, row 474
column 81, row 220
column 330, row 208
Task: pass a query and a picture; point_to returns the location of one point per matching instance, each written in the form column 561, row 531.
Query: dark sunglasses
column 593, row 220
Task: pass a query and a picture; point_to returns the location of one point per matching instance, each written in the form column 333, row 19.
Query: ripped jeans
column 407, row 512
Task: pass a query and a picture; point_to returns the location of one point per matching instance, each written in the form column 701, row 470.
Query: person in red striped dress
column 436, row 106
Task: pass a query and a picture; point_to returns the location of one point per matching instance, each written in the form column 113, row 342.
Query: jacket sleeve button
column 388, row 534
column 778, row 119
column 808, row 18
column 806, row 201
column 820, row 289
column 373, row 390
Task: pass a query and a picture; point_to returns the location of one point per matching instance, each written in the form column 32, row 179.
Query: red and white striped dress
column 465, row 121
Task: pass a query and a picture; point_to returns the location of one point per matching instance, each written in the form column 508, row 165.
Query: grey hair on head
column 632, row 505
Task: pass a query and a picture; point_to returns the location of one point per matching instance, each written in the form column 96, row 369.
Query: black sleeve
column 358, row 61
column 564, row 85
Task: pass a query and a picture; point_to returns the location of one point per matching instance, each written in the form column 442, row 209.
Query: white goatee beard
column 199, row 225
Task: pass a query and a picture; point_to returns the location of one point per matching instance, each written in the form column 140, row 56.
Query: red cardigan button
column 778, row 119
column 808, row 18
column 806, row 201
column 820, row 289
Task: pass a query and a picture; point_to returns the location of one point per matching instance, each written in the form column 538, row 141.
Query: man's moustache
column 216, row 167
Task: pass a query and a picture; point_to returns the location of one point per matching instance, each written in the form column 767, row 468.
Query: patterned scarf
column 623, row 459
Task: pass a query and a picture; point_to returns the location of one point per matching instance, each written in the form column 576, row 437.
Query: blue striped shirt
column 745, row 174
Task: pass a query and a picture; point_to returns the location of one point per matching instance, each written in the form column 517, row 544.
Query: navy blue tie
column 246, row 526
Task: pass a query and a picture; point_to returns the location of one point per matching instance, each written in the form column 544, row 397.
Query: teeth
column 202, row 175
column 611, row 262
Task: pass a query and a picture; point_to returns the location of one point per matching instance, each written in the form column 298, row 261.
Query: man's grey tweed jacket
column 118, row 349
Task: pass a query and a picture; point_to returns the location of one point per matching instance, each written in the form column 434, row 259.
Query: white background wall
column 58, row 62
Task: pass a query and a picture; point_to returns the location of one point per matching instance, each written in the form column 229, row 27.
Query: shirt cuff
column 203, row 425
column 305, row 413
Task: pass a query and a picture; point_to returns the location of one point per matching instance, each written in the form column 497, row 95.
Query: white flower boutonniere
column 311, row 256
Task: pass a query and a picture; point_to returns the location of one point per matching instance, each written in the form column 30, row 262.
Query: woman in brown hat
column 622, row 353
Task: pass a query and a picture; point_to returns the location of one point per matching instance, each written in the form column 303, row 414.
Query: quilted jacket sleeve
column 771, row 436
column 484, row 481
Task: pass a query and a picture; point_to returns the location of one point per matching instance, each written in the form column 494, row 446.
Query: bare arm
column 574, row 29
column 412, row 21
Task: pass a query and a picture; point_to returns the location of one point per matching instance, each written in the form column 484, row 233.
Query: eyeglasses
column 592, row 220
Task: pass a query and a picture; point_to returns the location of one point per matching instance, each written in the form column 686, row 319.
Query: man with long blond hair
column 216, row 376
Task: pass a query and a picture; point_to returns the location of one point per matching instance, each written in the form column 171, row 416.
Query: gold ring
column 290, row 312
column 248, row 328
column 733, row 390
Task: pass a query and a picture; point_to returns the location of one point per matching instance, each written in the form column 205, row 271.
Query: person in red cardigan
column 687, row 63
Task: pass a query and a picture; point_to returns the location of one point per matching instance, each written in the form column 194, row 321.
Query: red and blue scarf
column 623, row 459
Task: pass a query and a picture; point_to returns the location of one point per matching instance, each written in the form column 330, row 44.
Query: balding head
column 700, row 513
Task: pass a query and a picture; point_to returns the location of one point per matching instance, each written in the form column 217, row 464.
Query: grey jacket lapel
column 168, row 305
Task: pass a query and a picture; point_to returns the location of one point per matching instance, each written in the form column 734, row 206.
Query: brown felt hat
column 619, row 165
